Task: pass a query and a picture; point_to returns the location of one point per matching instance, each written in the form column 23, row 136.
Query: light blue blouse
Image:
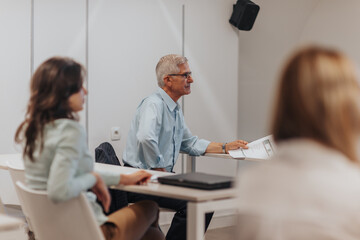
column 158, row 133
column 64, row 166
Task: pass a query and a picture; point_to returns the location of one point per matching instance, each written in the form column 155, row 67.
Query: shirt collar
column 168, row 100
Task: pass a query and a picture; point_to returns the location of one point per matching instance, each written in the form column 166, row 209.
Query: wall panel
column 60, row 30
column 276, row 32
column 337, row 30
column 15, row 28
column 211, row 45
column 126, row 40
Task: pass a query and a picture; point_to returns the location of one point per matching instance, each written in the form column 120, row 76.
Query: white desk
column 191, row 160
column 199, row 201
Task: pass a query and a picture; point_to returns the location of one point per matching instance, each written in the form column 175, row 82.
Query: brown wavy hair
column 318, row 98
column 53, row 82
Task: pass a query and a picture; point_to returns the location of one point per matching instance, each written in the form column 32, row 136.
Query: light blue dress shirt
column 64, row 166
column 158, row 133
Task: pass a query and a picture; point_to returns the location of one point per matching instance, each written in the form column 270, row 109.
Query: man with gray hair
column 158, row 133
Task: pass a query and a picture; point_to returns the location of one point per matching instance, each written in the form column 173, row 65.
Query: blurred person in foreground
column 57, row 159
column 310, row 189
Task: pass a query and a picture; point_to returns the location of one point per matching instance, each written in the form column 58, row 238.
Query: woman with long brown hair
column 57, row 159
column 310, row 189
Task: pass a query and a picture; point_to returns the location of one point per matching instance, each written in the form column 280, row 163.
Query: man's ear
column 167, row 81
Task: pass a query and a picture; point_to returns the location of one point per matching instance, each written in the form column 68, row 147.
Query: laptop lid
column 198, row 180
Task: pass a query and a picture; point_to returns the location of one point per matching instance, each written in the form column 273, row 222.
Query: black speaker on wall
column 244, row 14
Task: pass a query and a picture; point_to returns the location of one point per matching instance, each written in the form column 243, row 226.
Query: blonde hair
column 168, row 64
column 318, row 98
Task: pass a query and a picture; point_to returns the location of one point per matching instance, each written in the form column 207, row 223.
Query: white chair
column 11, row 228
column 16, row 169
column 71, row 220
column 7, row 190
column 17, row 173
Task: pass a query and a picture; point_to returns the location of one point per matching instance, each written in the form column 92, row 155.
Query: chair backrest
column 105, row 153
column 11, row 228
column 17, row 172
column 4, row 158
column 7, row 189
column 71, row 220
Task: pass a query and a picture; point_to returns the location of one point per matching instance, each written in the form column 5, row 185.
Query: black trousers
column 177, row 230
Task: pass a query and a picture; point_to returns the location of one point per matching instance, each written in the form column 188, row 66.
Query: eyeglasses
column 184, row 75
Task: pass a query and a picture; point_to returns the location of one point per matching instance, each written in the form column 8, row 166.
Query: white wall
column 211, row 45
column 337, row 21
column 235, row 71
column 126, row 39
column 14, row 68
column 276, row 31
column 59, row 30
column 281, row 26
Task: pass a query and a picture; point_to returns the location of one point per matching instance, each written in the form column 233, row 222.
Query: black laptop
column 198, row 180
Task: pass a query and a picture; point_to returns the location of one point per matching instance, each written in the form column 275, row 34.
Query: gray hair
column 167, row 65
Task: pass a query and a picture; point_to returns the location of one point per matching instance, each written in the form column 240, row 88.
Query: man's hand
column 236, row 145
column 136, row 178
column 215, row 147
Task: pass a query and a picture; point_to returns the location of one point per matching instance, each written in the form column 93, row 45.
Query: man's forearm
column 215, row 147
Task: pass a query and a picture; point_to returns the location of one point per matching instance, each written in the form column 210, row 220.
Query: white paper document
column 262, row 148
